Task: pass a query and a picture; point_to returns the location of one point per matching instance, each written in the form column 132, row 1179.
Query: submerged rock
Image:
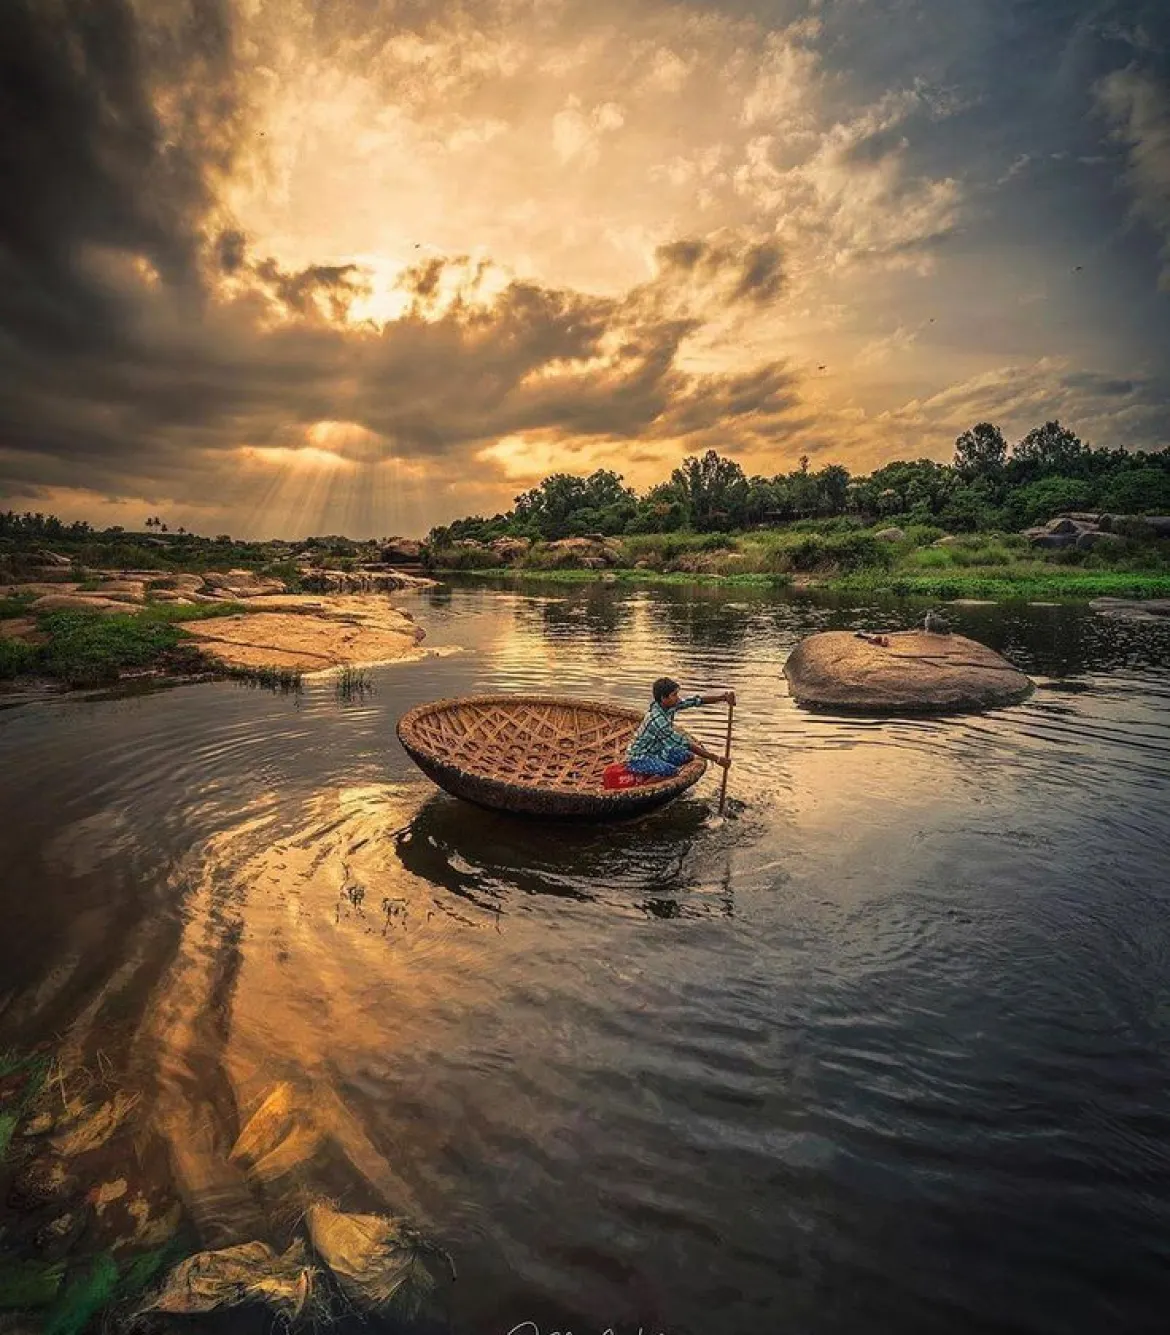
column 915, row 672
column 1133, row 609
column 251, row 1273
column 378, row 1262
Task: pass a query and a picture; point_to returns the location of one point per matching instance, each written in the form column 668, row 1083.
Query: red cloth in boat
column 618, row 776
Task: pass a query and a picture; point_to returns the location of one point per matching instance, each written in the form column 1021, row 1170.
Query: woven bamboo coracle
column 537, row 754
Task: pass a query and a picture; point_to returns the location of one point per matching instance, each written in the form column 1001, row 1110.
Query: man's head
column 665, row 691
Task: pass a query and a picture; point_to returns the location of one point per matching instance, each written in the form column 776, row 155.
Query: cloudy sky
column 278, row 267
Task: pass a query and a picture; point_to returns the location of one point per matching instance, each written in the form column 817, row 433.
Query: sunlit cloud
column 373, row 267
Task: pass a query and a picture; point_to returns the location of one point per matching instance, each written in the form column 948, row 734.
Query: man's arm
column 699, row 750
column 692, row 701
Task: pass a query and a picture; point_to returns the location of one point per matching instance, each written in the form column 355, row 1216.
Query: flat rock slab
column 917, row 673
column 81, row 602
column 1133, row 609
column 309, row 634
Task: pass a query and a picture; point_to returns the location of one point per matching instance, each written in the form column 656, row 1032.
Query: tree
column 833, row 488
column 565, row 504
column 981, row 452
column 1138, row 491
column 715, row 491
column 1050, row 448
column 1044, row 498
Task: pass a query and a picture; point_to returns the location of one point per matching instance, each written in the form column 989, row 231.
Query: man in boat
column 659, row 749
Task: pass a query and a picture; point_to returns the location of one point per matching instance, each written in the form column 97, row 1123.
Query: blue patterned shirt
column 657, row 736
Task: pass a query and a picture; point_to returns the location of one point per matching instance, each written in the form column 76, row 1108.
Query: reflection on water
column 885, row 1049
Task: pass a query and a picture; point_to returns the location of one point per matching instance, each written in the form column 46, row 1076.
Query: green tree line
column 988, row 486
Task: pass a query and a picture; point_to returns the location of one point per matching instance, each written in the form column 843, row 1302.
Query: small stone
column 105, row 1194
column 56, row 1238
column 41, row 1182
column 40, row 1125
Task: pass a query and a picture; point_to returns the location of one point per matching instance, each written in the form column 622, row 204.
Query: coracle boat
column 541, row 755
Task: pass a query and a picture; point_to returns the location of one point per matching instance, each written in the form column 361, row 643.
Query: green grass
column 89, row 649
column 1054, row 584
column 92, row 649
column 267, row 678
column 16, row 606
column 17, row 659
column 848, row 558
column 352, row 683
column 620, row 575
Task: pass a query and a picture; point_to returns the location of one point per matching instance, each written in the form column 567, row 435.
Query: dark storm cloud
column 304, row 291
column 750, row 271
column 87, row 161
column 1106, row 386
column 129, row 362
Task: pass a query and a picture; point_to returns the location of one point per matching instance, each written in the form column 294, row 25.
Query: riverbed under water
column 886, row 1050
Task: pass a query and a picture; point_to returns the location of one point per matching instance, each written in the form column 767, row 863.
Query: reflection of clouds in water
column 354, row 927
column 272, row 982
column 83, row 845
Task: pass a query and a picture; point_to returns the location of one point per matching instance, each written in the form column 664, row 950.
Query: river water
column 887, row 1049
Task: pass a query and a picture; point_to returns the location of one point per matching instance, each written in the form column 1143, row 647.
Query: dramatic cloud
column 1138, row 104
column 276, row 266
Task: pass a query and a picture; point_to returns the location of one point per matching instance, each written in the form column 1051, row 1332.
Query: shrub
column 16, row 658
column 1039, row 501
column 844, row 552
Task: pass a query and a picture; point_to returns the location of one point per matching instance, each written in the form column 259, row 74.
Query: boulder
column 1159, row 525
column 890, row 535
column 948, row 540
column 53, row 559
column 571, row 553
column 1095, row 537
column 123, row 590
column 1051, row 541
column 241, row 584
column 402, row 551
column 1063, row 524
column 186, row 584
column 37, row 589
column 78, row 602
column 914, row 672
column 510, row 549
column 359, row 581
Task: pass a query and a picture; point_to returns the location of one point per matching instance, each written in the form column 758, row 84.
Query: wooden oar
column 727, row 756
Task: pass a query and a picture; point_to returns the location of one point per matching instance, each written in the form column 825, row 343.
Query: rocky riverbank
column 97, row 630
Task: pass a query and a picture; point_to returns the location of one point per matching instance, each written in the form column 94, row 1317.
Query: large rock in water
column 916, row 673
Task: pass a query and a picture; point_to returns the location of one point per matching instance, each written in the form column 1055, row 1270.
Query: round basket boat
column 542, row 755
